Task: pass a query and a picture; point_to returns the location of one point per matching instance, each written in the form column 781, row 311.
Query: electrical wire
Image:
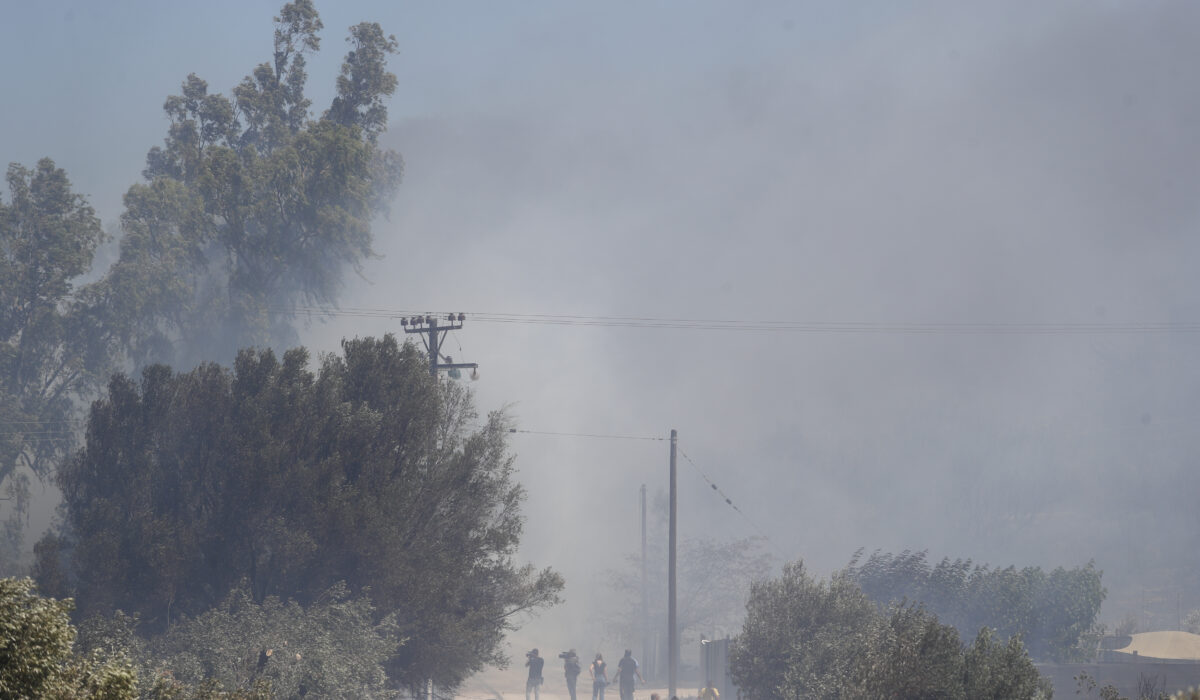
column 587, row 435
column 745, row 325
column 729, row 502
column 724, row 496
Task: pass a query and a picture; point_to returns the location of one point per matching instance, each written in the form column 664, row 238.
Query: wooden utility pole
column 432, row 336
column 673, row 629
column 645, row 596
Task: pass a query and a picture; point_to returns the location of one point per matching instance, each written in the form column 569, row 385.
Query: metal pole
column 433, row 347
column 672, row 629
column 645, row 597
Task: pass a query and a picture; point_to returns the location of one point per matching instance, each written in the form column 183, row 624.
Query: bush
column 805, row 638
column 36, row 657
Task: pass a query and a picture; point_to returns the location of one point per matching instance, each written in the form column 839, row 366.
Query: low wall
column 1125, row 676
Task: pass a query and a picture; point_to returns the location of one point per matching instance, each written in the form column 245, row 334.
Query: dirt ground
column 494, row 688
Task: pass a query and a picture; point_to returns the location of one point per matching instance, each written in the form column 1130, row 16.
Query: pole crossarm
column 433, row 335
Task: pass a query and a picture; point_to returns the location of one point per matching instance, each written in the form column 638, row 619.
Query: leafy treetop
column 805, row 638
column 251, row 207
column 368, row 471
column 1053, row 612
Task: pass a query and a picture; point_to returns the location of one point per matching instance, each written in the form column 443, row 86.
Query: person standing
column 534, row 682
column 599, row 671
column 627, row 670
column 572, row 669
column 710, row 692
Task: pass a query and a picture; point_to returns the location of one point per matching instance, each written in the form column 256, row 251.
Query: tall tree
column 363, row 84
column 1054, row 613
column 49, row 353
column 251, row 207
column 368, row 471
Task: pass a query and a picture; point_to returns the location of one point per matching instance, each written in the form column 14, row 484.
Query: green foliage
column 999, row 671
column 815, row 639
column 332, row 648
column 48, row 353
column 166, row 688
column 804, row 638
column 37, row 637
column 252, row 208
column 36, row 660
column 48, row 237
column 916, row 657
column 1053, row 613
column 363, row 83
column 367, row 472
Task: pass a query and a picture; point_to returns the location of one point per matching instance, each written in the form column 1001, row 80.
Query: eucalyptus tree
column 50, row 352
column 253, row 205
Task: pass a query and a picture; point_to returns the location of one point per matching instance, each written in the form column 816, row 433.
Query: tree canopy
column 49, row 352
column 333, row 648
column 805, row 638
column 267, row 479
column 368, row 471
column 1054, row 612
column 252, row 206
column 36, row 657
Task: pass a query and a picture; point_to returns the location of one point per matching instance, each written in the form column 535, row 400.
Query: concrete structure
column 1165, row 661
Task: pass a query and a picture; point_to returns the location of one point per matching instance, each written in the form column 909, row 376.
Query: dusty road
column 484, row 690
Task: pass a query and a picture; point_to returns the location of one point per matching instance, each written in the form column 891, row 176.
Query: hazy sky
column 886, row 164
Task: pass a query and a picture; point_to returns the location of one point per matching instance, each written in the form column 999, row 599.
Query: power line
column 587, row 435
column 729, row 502
column 771, row 326
column 724, row 496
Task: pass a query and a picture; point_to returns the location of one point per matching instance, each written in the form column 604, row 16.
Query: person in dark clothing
column 627, row 670
column 572, row 669
column 534, row 683
column 599, row 671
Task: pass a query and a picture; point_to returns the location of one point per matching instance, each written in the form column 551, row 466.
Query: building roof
column 1174, row 646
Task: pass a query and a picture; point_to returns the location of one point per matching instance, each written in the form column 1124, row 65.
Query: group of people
column 625, row 674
